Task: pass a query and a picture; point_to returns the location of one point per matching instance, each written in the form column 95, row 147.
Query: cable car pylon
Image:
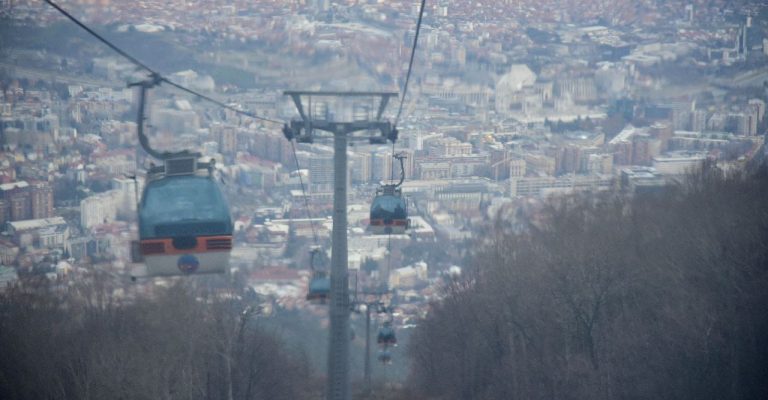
column 305, row 130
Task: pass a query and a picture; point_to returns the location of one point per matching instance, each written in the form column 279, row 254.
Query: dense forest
column 661, row 296
column 78, row 343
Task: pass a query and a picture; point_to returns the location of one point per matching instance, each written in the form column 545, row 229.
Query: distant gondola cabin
column 389, row 212
column 386, row 336
column 319, row 288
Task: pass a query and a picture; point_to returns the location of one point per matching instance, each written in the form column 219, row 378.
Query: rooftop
column 37, row 223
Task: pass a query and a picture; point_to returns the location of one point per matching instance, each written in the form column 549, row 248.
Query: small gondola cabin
column 389, row 212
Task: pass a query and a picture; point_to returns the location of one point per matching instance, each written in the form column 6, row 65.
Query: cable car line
column 304, row 193
column 220, row 104
column 154, row 74
column 319, row 287
column 99, row 37
column 410, row 63
column 397, row 119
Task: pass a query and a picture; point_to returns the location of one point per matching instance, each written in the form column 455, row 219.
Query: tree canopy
column 614, row 297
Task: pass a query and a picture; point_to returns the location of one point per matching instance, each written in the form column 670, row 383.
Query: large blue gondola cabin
column 184, row 226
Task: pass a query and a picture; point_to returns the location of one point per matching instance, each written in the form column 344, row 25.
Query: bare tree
column 655, row 296
column 178, row 345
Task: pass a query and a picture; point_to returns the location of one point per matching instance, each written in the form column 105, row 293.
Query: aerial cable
column 304, row 193
column 392, row 170
column 220, row 104
column 410, row 63
column 407, row 79
column 156, row 76
column 101, row 39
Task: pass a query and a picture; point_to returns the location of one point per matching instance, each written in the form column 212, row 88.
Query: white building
column 409, row 276
column 510, row 86
column 536, row 186
column 678, row 163
column 43, row 232
column 128, row 195
column 99, row 209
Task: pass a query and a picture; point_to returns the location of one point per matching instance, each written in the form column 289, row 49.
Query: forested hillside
column 79, row 344
column 661, row 296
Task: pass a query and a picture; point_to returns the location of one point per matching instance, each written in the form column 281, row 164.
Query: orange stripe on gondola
column 205, row 244
column 395, row 222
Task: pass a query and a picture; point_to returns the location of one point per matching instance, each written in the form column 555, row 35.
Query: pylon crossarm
column 382, row 106
column 297, row 101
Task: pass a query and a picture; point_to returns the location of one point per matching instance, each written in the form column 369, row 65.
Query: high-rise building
column 568, row 159
column 581, row 88
column 98, row 209
column 381, row 164
column 644, row 148
column 743, row 123
column 759, row 107
column 20, row 209
column 127, row 197
column 699, row 120
column 599, row 164
column 321, row 172
column 622, row 153
column 360, row 167
column 273, row 147
column 517, row 168
column 321, row 175
column 742, row 43
column 663, row 132
column 17, row 198
column 226, row 137
column 5, row 212
column 409, row 163
column 681, row 119
column 41, row 200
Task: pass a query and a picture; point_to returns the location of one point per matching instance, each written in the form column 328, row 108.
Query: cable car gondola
column 389, row 211
column 320, row 283
column 385, row 357
column 184, row 222
column 185, row 225
column 319, row 287
column 386, row 335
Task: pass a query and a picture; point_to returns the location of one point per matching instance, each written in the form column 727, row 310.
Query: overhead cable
column 152, row 72
column 220, row 104
column 410, row 63
column 304, row 193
